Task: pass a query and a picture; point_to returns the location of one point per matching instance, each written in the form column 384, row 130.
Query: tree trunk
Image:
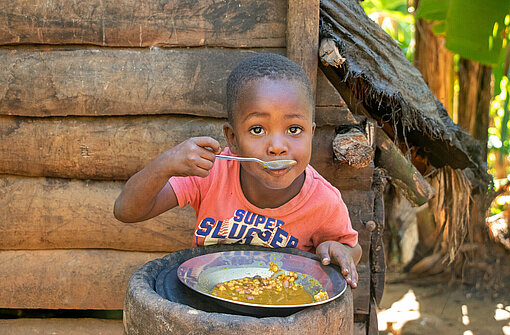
column 435, row 63
column 474, row 100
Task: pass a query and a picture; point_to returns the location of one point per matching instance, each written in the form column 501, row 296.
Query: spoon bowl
column 271, row 165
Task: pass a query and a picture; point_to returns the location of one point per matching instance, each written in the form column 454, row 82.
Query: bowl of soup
column 258, row 282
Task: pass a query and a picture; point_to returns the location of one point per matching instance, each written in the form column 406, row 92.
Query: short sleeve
column 187, row 190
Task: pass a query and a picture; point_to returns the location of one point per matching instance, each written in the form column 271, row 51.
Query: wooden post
column 303, row 36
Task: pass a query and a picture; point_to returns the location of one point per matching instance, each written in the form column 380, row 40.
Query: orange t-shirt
column 316, row 214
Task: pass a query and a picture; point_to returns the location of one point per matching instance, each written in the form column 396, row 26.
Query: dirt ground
column 419, row 306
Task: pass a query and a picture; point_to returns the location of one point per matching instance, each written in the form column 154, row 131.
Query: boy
column 270, row 116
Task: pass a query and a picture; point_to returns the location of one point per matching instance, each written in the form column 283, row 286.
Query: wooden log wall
column 90, row 93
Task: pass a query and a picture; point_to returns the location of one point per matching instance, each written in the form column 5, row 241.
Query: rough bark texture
column 352, row 148
column 67, row 279
column 403, row 173
column 434, row 62
column 83, row 326
column 45, row 213
column 100, row 148
column 108, row 81
column 474, row 100
column 96, row 82
column 146, row 23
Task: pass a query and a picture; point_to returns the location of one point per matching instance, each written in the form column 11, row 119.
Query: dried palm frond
column 451, row 208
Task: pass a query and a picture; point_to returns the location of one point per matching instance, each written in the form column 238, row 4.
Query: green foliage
column 432, row 10
column 475, row 29
column 394, row 18
column 482, row 39
column 387, row 6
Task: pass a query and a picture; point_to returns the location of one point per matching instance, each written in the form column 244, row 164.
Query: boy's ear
column 228, row 132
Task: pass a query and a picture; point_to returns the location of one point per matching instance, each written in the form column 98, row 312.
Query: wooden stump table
column 185, row 312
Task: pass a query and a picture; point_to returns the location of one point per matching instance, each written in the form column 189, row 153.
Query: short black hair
column 264, row 65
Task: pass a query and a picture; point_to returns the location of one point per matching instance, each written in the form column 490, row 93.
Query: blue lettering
column 233, row 231
column 248, row 239
column 265, row 235
column 278, row 238
column 249, row 218
column 204, row 228
column 279, row 223
column 269, row 223
column 216, row 232
column 252, row 231
column 239, row 215
column 292, row 242
column 260, row 220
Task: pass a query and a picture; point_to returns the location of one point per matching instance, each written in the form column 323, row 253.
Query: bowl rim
column 332, row 267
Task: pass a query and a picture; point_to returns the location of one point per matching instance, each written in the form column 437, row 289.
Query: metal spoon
column 271, row 165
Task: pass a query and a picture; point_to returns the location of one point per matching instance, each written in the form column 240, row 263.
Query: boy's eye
column 257, row 131
column 295, row 130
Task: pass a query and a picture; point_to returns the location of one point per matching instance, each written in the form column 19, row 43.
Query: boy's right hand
column 193, row 157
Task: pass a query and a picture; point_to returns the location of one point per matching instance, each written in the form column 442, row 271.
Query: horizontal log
column 109, row 148
column 88, row 279
column 67, row 279
column 114, row 148
column 40, row 213
column 78, row 81
column 68, row 326
column 88, row 82
column 44, row 213
column 134, row 23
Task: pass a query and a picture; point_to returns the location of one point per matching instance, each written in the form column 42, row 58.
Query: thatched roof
column 392, row 90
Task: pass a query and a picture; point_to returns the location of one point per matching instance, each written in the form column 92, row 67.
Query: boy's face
column 273, row 120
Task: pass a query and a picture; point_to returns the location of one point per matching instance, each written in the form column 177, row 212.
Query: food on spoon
column 279, row 289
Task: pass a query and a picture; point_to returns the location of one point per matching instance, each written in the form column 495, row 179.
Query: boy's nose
column 277, row 146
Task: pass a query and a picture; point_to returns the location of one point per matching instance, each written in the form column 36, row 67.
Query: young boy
column 271, row 117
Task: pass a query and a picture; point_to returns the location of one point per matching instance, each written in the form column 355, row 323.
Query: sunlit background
column 402, row 305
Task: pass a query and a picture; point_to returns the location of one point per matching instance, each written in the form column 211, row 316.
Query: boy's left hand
column 342, row 255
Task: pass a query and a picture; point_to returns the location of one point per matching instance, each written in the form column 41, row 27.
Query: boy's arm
column 345, row 256
column 148, row 193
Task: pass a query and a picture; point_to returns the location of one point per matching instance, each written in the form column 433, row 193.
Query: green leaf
column 389, row 6
column 474, row 29
column 439, row 28
column 432, row 10
column 395, row 5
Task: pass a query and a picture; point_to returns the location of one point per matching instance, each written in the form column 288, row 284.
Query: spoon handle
column 243, row 159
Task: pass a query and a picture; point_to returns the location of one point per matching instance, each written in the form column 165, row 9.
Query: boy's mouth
column 277, row 173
